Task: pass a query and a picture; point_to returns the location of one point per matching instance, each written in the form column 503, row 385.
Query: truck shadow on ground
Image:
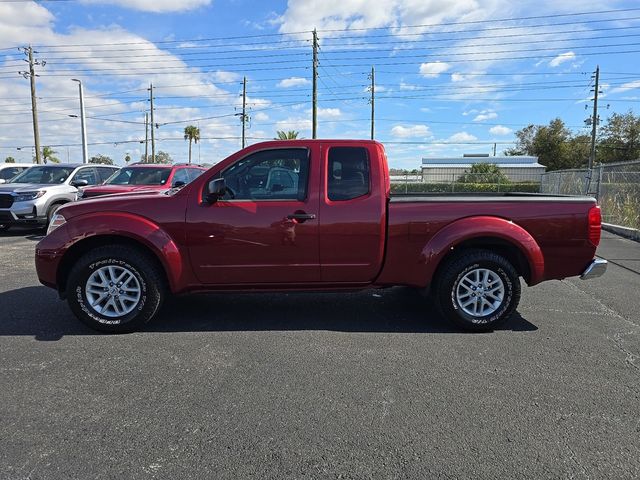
column 37, row 312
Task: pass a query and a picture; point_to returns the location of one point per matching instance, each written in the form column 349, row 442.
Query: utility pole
column 594, row 118
column 314, row 96
column 31, row 75
column 153, row 136
column 244, row 108
column 373, row 100
column 83, row 123
column 495, row 146
column 146, row 137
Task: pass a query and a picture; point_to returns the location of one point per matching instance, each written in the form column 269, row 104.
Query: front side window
column 181, row 175
column 87, row 174
column 44, row 175
column 279, row 174
column 348, row 173
column 105, row 172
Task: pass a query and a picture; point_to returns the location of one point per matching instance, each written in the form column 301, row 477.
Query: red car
column 312, row 215
column 145, row 176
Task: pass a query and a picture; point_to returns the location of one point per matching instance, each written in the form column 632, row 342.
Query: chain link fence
column 616, row 186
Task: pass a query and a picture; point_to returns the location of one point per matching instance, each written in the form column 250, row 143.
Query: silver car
column 33, row 197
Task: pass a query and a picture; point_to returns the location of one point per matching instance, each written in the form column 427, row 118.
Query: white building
column 517, row 168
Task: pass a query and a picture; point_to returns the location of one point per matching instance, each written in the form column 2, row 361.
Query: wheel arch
column 89, row 243
column 490, row 233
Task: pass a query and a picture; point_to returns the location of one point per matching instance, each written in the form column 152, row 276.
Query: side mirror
column 79, row 183
column 178, row 184
column 215, row 189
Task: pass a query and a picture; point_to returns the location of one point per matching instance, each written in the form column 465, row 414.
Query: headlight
column 26, row 196
column 57, row 221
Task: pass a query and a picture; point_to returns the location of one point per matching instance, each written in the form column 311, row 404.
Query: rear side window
column 348, row 175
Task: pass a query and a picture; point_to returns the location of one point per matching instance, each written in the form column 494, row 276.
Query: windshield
column 139, row 176
column 44, row 175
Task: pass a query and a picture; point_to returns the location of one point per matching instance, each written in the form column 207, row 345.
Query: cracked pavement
column 358, row 385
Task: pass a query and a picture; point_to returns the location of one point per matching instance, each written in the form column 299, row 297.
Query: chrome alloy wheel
column 480, row 292
column 113, row 291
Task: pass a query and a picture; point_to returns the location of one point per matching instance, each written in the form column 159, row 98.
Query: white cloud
column 324, row 113
column 500, row 130
column 413, row 131
column 625, row 87
column 261, row 117
column 293, row 82
column 562, row 58
column 156, row 6
column 462, row 137
column 485, row 115
column 433, row 69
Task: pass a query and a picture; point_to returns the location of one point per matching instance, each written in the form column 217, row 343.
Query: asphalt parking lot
column 362, row 385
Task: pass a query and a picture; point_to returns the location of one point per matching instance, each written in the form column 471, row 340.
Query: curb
column 626, row 232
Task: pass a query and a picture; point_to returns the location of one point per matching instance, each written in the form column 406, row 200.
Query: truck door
column 352, row 213
column 265, row 229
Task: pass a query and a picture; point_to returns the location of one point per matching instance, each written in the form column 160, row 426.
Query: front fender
column 133, row 227
column 482, row 227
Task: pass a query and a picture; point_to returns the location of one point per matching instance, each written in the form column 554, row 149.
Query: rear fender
column 483, row 227
column 136, row 228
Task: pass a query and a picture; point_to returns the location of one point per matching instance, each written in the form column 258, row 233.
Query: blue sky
column 451, row 76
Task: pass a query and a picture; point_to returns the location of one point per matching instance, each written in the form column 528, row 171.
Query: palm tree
column 48, row 155
column 191, row 133
column 290, row 135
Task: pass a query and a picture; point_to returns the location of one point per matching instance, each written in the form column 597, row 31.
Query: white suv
column 10, row 170
column 34, row 195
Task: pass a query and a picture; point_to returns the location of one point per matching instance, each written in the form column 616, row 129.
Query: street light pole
column 85, row 152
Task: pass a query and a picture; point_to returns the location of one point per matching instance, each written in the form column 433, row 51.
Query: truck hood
column 100, row 190
column 113, row 202
column 30, row 187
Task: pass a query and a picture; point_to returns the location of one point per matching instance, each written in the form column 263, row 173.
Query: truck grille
column 6, row 200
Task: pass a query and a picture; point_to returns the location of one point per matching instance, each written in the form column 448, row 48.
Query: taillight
column 595, row 225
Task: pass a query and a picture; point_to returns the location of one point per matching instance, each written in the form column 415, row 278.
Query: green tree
column 102, row 159
column 484, row 173
column 10, row 160
column 619, row 139
column 48, row 155
column 553, row 145
column 191, row 133
column 161, row 157
column 290, row 135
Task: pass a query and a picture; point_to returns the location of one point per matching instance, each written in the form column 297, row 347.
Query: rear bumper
column 595, row 269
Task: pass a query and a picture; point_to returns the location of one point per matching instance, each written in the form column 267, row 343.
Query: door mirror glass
column 215, row 189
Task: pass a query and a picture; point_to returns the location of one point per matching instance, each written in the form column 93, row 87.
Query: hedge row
column 457, row 187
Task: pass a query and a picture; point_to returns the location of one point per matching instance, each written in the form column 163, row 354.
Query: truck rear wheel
column 115, row 289
column 477, row 290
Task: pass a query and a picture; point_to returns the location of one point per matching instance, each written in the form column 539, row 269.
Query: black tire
column 147, row 274
column 452, row 283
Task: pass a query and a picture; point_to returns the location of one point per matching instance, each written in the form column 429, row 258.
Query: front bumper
column 595, row 269
column 22, row 213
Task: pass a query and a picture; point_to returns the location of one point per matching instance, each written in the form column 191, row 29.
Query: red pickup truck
column 312, row 215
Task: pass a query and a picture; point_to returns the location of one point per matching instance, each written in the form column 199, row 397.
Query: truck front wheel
column 478, row 290
column 115, row 289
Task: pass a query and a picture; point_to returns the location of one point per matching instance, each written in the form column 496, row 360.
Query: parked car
column 10, row 170
column 334, row 227
column 34, row 195
column 145, row 176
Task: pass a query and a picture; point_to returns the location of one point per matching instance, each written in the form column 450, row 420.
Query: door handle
column 301, row 216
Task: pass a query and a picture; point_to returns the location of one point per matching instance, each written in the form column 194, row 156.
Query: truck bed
column 487, row 197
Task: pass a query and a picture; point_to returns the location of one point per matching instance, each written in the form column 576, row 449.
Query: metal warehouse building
column 517, row 168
